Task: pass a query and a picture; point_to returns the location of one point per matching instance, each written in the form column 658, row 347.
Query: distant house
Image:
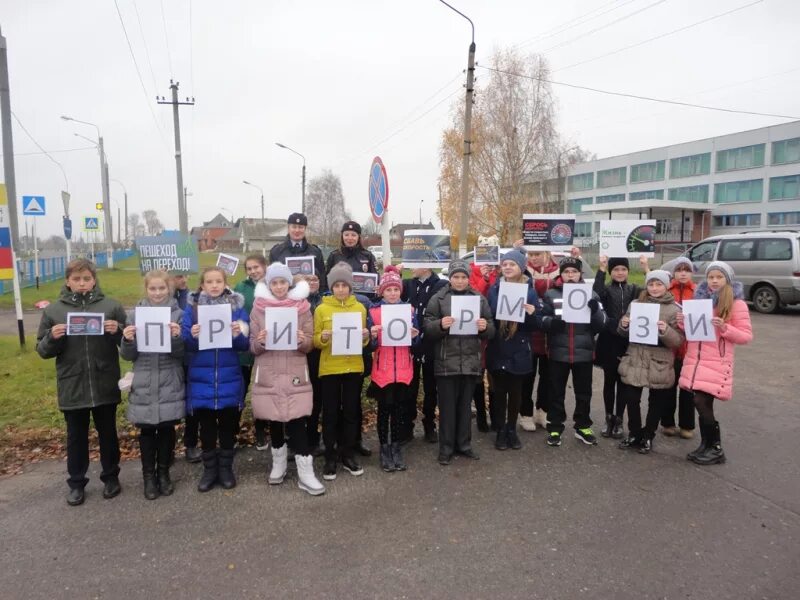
column 256, row 235
column 211, row 231
column 229, row 241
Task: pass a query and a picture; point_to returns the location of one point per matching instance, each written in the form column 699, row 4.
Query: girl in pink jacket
column 392, row 371
column 281, row 391
column 708, row 366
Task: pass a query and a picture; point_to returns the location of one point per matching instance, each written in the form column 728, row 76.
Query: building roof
column 268, row 229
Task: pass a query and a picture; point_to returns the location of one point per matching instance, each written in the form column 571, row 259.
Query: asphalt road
column 569, row 522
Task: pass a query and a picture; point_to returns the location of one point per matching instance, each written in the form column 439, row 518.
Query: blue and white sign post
column 379, row 204
column 34, row 206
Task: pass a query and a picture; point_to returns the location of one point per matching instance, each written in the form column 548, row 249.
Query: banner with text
column 426, row 248
column 172, row 253
column 628, row 238
column 548, row 232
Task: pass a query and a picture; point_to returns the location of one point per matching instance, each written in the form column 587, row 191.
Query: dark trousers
column 685, row 404
column 507, row 397
column 341, row 401
column 655, row 401
column 455, row 417
column 612, row 397
column 581, row 384
column 540, row 363
column 390, row 406
column 105, row 422
column 312, row 421
column 191, row 424
column 422, row 370
column 218, row 425
column 157, row 446
column 295, row 430
column 479, row 397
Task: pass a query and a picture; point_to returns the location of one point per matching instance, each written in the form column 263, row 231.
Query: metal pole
column 65, row 200
column 262, row 209
column 462, row 235
column 35, row 254
column 303, row 201
column 106, row 206
column 126, row 219
column 184, row 226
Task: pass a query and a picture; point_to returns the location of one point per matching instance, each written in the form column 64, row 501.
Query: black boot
column 387, row 462
column 609, row 426
column 713, row 453
column 501, row 441
column 703, row 443
column 430, row 433
column 512, row 439
column 226, row 477
column 147, row 448
column 397, row 457
column 617, row 432
column 480, row 409
column 164, row 459
column 210, row 468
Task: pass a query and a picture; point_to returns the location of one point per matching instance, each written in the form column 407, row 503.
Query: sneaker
column 329, row 472
column 586, row 436
column 671, row 431
column 645, row 446
column 262, row 443
column 630, row 442
column 527, row 423
column 687, row 434
column 445, row 459
column 554, row 439
column 352, row 467
column 540, row 417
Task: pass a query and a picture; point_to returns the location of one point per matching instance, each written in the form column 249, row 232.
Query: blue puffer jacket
column 215, row 376
column 513, row 355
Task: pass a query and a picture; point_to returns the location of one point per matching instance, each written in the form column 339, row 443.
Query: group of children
column 292, row 389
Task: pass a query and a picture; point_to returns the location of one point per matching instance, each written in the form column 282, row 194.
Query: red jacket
column 478, row 283
column 391, row 364
column 682, row 291
column 544, row 278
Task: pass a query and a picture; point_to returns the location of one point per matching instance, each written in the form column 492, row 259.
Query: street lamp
column 262, row 196
column 303, row 204
column 420, row 211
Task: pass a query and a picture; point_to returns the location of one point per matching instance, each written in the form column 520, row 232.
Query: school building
column 725, row 184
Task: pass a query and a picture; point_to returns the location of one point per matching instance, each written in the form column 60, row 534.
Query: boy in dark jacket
column 87, row 374
column 570, row 348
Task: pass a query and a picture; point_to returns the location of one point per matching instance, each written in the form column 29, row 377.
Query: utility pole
column 109, row 224
column 303, row 201
column 183, row 219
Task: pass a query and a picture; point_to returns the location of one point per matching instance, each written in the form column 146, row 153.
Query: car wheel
column 765, row 299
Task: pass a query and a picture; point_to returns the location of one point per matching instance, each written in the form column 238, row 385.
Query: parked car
column 766, row 262
column 377, row 252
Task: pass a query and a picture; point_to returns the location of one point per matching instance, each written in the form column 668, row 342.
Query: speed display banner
column 628, row 238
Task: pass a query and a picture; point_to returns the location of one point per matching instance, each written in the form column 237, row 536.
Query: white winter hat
column 278, row 270
column 659, row 275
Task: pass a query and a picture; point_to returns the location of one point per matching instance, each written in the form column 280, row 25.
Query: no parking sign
column 378, row 189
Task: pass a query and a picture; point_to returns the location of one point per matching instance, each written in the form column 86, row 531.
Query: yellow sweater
column 330, row 364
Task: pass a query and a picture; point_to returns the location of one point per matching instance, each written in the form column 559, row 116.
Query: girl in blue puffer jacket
column 214, row 390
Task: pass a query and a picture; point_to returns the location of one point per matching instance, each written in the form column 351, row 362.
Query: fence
column 52, row 269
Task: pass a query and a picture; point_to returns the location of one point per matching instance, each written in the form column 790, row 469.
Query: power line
column 146, row 50
column 55, row 151
column 658, row 37
column 637, row 97
column 166, row 38
column 45, row 152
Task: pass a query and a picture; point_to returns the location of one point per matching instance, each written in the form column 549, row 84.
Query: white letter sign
column 281, row 325
column 466, row 310
column 215, row 326
column 643, row 328
column 511, row 301
column 576, row 303
column 697, row 316
column 346, row 333
column 395, row 325
column 152, row 329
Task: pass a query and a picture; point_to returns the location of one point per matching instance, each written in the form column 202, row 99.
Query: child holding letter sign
column 392, row 368
column 214, row 388
column 282, row 393
column 156, row 402
column 458, row 362
column 708, row 366
column 646, row 366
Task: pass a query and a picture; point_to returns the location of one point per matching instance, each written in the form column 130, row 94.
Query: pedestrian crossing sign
column 92, row 224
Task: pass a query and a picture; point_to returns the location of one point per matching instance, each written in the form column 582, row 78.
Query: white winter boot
column 279, row 457
column 527, row 423
column 540, row 417
column 306, row 480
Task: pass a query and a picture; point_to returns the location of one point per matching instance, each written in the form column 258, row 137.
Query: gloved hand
column 593, row 305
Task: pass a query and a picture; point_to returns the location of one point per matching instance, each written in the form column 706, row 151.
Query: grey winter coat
column 158, row 390
column 653, row 366
column 455, row 354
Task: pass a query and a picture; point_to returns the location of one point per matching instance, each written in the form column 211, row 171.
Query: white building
column 746, row 180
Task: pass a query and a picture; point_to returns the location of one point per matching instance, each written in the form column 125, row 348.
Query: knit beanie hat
column 458, row 266
column 351, row 226
column 569, row 262
column 518, row 256
column 673, row 264
column 391, row 277
column 618, row 261
column 278, row 270
column 340, row 272
column 660, row 275
column 723, row 268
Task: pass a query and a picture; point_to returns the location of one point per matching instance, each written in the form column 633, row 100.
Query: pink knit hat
column 391, row 277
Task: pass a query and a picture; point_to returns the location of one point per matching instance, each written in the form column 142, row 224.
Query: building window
column 786, row 151
column 740, row 158
column 579, row 183
column 784, row 218
column 583, row 229
column 575, row 205
column 648, row 195
column 751, row 220
column 612, row 177
column 784, row 188
column 689, row 166
column 652, row 171
column 692, row 193
column 739, row 191
column 610, row 198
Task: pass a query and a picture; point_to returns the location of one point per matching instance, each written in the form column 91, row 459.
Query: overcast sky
column 342, row 81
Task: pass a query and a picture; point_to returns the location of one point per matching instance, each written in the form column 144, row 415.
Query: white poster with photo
column 628, row 238
column 486, row 255
column 152, row 329
column 575, row 308
column 346, row 334
column 643, row 328
column 466, row 310
column 85, row 323
column 697, row 315
column 300, row 265
column 395, row 325
column 511, row 301
column 215, row 326
column 280, row 323
column 228, row 263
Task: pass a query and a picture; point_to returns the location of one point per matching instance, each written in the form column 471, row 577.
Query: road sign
column 92, row 224
column 98, row 206
column 33, row 206
column 67, row 228
column 378, row 189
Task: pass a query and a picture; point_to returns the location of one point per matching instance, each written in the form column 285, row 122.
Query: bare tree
column 133, row 223
column 370, row 228
column 325, row 208
column 154, row 226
